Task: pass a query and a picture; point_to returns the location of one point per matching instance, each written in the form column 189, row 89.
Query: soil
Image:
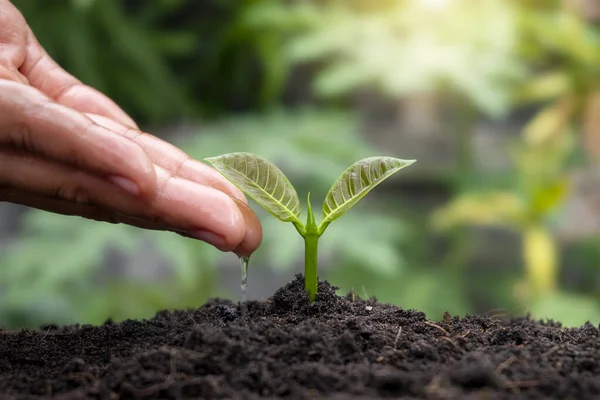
column 335, row 348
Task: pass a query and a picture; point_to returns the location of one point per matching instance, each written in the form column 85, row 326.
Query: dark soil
column 336, row 348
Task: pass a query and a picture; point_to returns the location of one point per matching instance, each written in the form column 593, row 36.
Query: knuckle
column 172, row 174
column 162, row 187
column 20, row 135
column 34, row 63
column 20, row 106
column 180, row 164
column 73, row 192
column 132, row 134
column 62, row 91
column 74, row 156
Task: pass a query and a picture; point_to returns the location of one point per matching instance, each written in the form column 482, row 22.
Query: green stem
column 311, row 244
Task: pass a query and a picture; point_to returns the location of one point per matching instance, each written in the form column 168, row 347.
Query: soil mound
column 336, row 348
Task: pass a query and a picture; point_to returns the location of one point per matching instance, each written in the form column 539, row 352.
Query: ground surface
column 337, row 348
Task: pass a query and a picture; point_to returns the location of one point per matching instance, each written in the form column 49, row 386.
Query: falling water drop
column 244, row 285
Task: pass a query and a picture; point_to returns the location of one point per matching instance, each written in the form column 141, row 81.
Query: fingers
column 211, row 215
column 26, row 172
column 88, row 211
column 13, row 39
column 253, row 234
column 61, row 161
column 173, row 159
column 47, row 76
column 201, row 206
column 31, row 121
column 10, row 75
column 179, row 164
column 21, row 53
column 180, row 205
column 55, row 205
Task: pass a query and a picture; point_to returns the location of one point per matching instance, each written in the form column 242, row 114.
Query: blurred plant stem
column 541, row 189
column 541, row 260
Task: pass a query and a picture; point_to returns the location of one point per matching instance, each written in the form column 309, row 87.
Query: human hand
column 68, row 149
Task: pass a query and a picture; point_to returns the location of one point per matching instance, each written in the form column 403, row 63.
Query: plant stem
column 311, row 244
column 539, row 252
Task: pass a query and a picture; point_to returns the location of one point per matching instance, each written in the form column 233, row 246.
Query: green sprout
column 266, row 184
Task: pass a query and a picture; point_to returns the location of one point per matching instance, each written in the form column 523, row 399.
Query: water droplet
column 244, row 262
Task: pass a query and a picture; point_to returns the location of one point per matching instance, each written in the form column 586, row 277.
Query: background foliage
column 309, row 85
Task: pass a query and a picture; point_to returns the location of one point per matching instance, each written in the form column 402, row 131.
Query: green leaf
column 261, row 180
column 571, row 309
column 354, row 184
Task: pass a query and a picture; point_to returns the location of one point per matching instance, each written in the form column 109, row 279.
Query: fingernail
column 210, row 238
column 125, row 184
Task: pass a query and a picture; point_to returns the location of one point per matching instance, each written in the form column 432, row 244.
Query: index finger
column 31, row 121
column 172, row 159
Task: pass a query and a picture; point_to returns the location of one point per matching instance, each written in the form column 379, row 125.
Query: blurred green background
column 499, row 100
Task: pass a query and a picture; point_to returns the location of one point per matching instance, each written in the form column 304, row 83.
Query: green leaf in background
column 305, row 150
column 355, row 183
column 261, row 180
column 83, row 4
column 430, row 290
column 487, row 208
column 374, row 246
column 544, row 87
column 572, row 310
column 549, row 122
column 370, row 239
column 401, row 48
column 55, row 273
column 549, row 196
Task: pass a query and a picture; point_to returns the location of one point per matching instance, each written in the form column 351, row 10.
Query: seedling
column 262, row 181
